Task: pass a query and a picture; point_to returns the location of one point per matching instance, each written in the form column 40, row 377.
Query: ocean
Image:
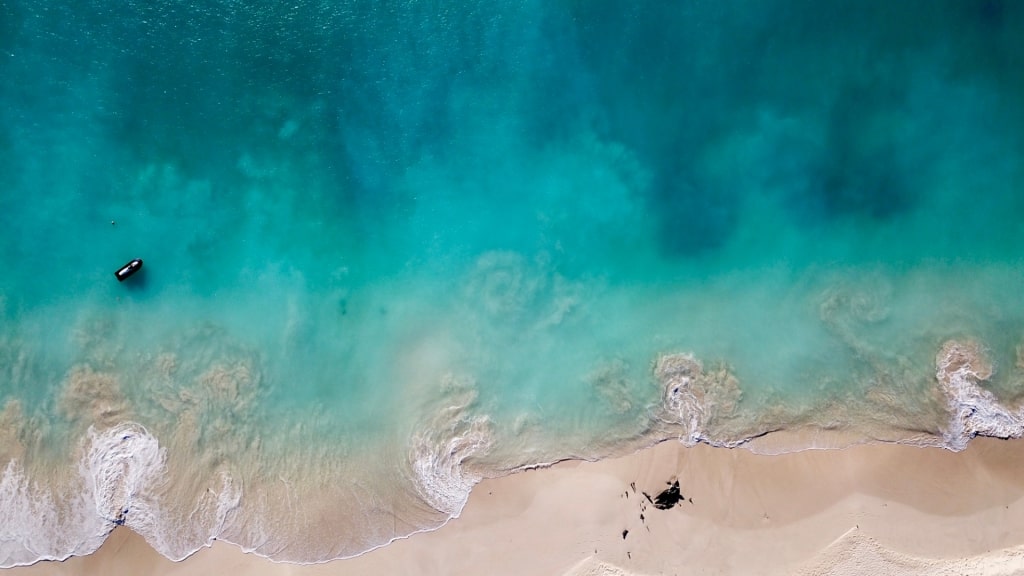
column 393, row 247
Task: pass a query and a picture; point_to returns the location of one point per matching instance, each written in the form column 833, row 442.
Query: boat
column 128, row 269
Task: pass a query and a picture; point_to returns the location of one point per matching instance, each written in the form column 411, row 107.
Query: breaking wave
column 695, row 398
column 124, row 476
column 121, row 473
column 34, row 525
column 705, row 405
column 123, row 464
column 53, row 522
column 440, row 452
column 974, row 411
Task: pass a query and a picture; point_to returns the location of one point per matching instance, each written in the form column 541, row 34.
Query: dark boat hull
column 128, row 269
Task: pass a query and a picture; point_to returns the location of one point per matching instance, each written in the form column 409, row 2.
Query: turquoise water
column 394, row 247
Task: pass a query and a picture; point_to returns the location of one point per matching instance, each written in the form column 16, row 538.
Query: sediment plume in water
column 181, row 494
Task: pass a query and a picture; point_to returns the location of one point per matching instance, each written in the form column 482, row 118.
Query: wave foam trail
column 696, row 398
column 439, row 455
column 34, row 526
column 121, row 463
column 122, row 472
column 228, row 500
column 125, row 470
column 677, row 373
column 960, row 366
column 119, row 467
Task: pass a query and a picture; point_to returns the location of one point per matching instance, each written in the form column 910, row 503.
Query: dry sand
column 878, row 509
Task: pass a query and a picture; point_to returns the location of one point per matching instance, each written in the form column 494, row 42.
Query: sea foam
column 34, row 525
column 701, row 405
column 696, row 398
column 124, row 477
column 122, row 470
column 119, row 467
column 125, row 471
column 974, row 411
column 440, row 450
column 122, row 466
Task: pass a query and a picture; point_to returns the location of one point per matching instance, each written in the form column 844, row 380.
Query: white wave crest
column 695, row 398
column 125, row 469
column 439, row 453
column 677, row 373
column 122, row 465
column 122, row 472
column 36, row 526
column 960, row 366
column 72, row 518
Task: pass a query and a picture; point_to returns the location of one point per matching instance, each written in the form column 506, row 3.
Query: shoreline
column 750, row 513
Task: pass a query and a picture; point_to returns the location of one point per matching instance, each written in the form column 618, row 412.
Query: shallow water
column 394, row 247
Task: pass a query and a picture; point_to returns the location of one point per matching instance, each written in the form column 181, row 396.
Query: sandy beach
column 879, row 509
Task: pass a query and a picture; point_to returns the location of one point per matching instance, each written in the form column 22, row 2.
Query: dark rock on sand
column 668, row 498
